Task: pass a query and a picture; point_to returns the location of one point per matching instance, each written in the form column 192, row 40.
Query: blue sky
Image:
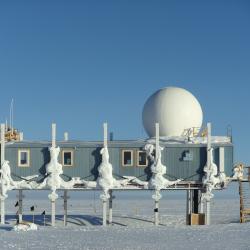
column 80, row 63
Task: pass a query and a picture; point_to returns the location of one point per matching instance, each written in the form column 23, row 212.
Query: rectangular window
column 127, row 158
column 67, row 158
column 23, row 158
column 142, row 160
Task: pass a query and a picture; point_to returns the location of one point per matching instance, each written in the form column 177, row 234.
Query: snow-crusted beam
column 66, row 136
column 157, row 140
column 2, row 197
column 105, row 135
column 208, row 145
column 55, row 174
column 209, row 169
column 53, row 127
column 157, row 191
column 2, row 143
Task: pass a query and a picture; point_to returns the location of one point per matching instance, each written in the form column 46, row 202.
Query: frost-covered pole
column 157, row 140
column 188, row 208
column 66, row 136
column 209, row 163
column 104, row 201
column 20, row 205
column 105, row 135
column 53, row 135
column 201, row 206
column 157, row 151
column 2, row 144
column 65, row 205
column 110, row 207
column 2, row 198
column 53, row 200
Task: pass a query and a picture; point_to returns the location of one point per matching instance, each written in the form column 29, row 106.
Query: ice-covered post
column 65, row 205
column 104, row 201
column 110, row 207
column 2, row 197
column 53, row 135
column 157, row 192
column 209, row 163
column 52, row 198
column 188, row 208
column 20, row 205
column 66, row 136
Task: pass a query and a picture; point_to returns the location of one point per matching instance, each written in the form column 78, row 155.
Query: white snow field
column 132, row 227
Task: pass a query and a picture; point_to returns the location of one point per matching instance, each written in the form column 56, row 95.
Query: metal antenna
column 12, row 115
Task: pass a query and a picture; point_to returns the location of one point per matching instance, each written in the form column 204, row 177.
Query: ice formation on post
column 238, row 172
column 106, row 181
column 53, row 180
column 6, row 180
column 212, row 179
column 7, row 183
column 157, row 181
column 54, row 170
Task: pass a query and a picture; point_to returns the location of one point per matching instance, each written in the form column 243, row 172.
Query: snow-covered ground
column 133, row 223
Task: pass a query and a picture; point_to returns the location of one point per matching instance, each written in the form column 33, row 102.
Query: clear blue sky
column 80, row 63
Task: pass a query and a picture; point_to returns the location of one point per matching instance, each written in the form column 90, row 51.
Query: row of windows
column 128, row 158
column 68, row 158
column 24, row 158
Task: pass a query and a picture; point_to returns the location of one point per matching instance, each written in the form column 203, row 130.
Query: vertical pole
column 2, row 198
column 209, row 145
column 156, row 212
column 20, row 205
column 157, row 192
column 105, row 134
column 196, row 201
column 104, row 212
column 53, row 135
column 110, row 207
column 2, row 143
column 207, row 212
column 53, row 212
column 66, row 136
column 65, row 205
column 222, row 159
column 188, row 208
column 209, row 163
column 201, row 207
column 157, row 144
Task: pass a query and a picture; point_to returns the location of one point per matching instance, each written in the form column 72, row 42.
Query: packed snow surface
column 132, row 227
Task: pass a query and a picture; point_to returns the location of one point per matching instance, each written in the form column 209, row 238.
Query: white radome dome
column 175, row 109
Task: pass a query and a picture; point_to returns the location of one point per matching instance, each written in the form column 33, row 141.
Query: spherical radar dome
column 175, row 109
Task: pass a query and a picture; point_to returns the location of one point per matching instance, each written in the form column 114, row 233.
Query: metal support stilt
column 104, row 212
column 156, row 212
column 2, row 198
column 208, row 213
column 53, row 212
column 20, row 205
column 188, row 207
column 196, row 201
column 110, row 207
column 65, row 205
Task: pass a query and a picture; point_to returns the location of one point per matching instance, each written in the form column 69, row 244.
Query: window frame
column 132, row 157
column 19, row 164
column 137, row 158
column 72, row 157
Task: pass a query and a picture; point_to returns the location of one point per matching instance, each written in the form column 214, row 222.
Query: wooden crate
column 197, row 219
